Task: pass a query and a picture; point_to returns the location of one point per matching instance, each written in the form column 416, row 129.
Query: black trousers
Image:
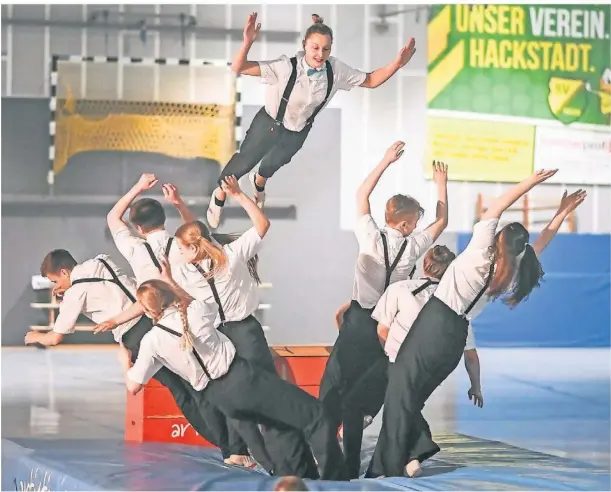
column 264, row 141
column 365, row 398
column 207, row 420
column 356, row 350
column 286, row 447
column 248, row 393
column 431, row 351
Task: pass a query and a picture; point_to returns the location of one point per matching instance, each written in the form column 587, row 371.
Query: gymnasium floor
column 545, row 425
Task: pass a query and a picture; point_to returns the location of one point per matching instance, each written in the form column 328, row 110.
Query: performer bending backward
column 397, row 311
column 385, row 256
column 297, row 89
column 492, row 264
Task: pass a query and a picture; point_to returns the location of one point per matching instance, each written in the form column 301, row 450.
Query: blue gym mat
column 465, row 463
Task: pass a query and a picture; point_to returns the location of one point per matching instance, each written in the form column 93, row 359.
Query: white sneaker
column 213, row 214
column 412, row 469
column 258, row 195
column 241, row 460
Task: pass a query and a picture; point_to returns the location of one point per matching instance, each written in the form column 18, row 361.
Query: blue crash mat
column 465, row 463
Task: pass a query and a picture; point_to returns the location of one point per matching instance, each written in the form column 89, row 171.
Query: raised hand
column 406, row 53
column 147, row 181
column 394, row 152
column 171, row 194
column 251, row 29
column 542, row 175
column 231, row 186
column 440, row 172
column 572, row 201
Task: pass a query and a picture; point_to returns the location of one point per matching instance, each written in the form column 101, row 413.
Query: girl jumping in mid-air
column 297, row 89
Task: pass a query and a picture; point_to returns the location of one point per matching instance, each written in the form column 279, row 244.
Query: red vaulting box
column 152, row 415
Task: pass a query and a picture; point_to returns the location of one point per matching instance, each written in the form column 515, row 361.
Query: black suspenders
column 289, row 89
column 389, row 267
column 168, row 246
column 426, row 284
column 481, row 292
column 115, row 280
column 195, row 354
column 215, row 292
column 152, row 255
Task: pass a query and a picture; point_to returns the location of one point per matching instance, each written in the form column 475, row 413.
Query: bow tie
column 313, row 71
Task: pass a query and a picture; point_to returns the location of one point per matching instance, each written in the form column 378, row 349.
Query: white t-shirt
column 370, row 271
column 99, row 301
column 133, row 248
column 160, row 348
column 397, row 310
column 309, row 92
column 238, row 291
column 467, row 274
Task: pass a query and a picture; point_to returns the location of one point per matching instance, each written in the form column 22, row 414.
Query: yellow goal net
column 182, row 110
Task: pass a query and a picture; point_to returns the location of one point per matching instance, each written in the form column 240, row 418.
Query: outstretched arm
column 241, row 63
column 115, row 216
column 231, row 186
column 65, row 324
column 172, row 195
column 381, row 75
column 507, row 199
column 440, row 176
column 49, row 339
column 567, row 205
column 367, row 186
column 134, row 311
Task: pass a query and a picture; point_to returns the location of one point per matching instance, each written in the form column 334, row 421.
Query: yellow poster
column 478, row 150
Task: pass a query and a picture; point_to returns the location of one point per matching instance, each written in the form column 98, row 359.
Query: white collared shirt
column 467, row 274
column 370, row 272
column 238, row 291
column 99, row 301
column 133, row 248
column 397, row 310
column 308, row 92
column 160, row 348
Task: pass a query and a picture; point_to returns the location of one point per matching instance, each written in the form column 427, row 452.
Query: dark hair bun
column 442, row 254
column 317, row 19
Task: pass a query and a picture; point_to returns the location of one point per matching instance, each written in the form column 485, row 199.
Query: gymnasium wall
column 371, row 119
column 307, row 258
column 570, row 309
column 309, row 255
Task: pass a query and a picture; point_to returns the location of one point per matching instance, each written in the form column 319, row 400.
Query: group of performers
column 186, row 316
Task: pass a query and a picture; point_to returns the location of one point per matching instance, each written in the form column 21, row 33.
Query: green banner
column 532, row 61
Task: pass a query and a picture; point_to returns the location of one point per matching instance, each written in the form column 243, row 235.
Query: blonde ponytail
column 209, row 251
column 196, row 234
